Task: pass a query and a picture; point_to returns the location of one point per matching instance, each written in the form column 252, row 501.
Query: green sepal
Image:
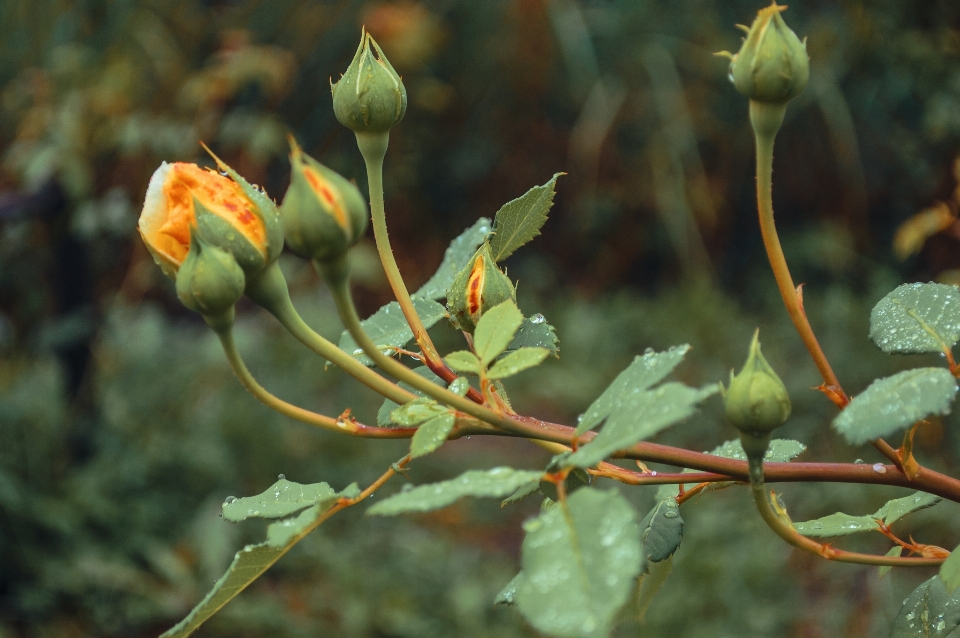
column 210, row 282
column 370, row 96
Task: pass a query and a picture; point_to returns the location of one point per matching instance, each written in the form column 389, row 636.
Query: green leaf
column 508, row 595
column 431, row 434
column 517, row 361
column 495, row 483
column 459, row 386
column 642, row 374
column 841, row 524
column 455, row 258
column 463, row 361
column 930, row 611
column 388, row 406
column 640, row 415
column 896, row 550
column 661, row 531
column 520, row 220
column 281, row 499
column 495, row 331
column 388, row 328
column 950, row 571
column 417, row 411
column 896, row 402
column 779, row 451
column 579, row 559
column 535, row 332
column 251, row 561
column 917, row 318
column 522, row 492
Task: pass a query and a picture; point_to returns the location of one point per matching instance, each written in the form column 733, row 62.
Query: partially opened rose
column 228, row 213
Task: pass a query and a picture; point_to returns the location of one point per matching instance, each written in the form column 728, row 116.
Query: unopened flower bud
column 772, row 65
column 210, row 281
column 228, row 213
column 323, row 213
column 481, row 285
column 370, row 96
column 756, row 402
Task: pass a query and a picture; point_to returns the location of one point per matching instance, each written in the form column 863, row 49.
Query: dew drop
column 817, row 525
column 229, row 500
column 648, row 351
column 281, row 477
column 859, row 462
column 537, row 318
column 879, row 468
column 224, row 174
column 670, row 514
column 653, row 472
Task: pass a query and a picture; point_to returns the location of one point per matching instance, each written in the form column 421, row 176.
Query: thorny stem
column 347, row 426
column 766, row 119
column 787, row 532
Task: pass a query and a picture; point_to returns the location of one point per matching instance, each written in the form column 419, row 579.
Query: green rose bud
column 323, row 213
column 772, row 65
column 481, row 285
column 370, row 97
column 210, row 281
column 756, row 402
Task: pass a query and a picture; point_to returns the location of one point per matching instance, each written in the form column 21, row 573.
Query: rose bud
column 481, row 285
column 323, row 213
column 210, row 282
column 370, row 96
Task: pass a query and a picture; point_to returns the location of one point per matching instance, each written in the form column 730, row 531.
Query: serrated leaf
column 455, row 258
column 579, row 559
column 508, row 595
column 930, row 611
column 251, row 561
column 495, row 483
column 535, row 332
column 650, row 583
column 281, row 499
column 388, row 328
column 495, row 331
column 639, row 415
column 840, row 524
column 661, row 531
column 431, row 434
column 779, row 451
column 388, row 406
column 520, row 220
column 896, row 402
column 517, row 361
column 417, row 411
column 896, row 550
column 522, row 492
column 463, row 361
column 917, row 318
column 645, row 372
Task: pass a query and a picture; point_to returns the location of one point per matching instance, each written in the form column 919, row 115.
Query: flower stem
column 788, row 533
column 297, row 413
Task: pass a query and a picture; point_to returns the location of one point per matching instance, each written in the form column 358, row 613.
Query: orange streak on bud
column 475, row 287
column 330, row 201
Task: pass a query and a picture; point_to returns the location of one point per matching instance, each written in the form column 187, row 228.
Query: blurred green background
column 122, row 428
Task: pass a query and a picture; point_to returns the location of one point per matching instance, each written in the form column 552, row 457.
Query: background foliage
column 122, row 428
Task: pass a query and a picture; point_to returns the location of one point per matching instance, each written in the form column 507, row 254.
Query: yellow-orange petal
column 328, row 196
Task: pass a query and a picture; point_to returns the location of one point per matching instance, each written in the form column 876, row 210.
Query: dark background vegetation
column 122, row 428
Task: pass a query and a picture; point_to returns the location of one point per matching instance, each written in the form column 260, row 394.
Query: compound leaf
column 455, row 259
column 638, row 415
column 431, row 434
column 517, row 361
column 841, row 524
column 896, row 402
column 645, row 372
column 495, row 483
column 580, row 560
column 930, row 611
column 388, row 328
column 520, row 220
column 917, row 318
column 495, row 331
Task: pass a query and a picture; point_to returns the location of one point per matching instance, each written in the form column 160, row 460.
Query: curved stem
column 787, row 532
column 298, row 413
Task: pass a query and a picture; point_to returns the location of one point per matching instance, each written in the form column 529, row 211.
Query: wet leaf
column 522, row 492
column 455, row 258
column 580, row 560
column 535, row 332
column 517, row 361
column 645, row 372
column 281, row 499
column 416, row 412
column 930, row 611
column 495, row 483
column 950, row 571
column 841, row 524
column 387, row 327
column 639, row 415
column 779, row 451
column 661, row 531
column 917, row 318
column 895, row 403
column 431, row 435
column 388, row 406
column 520, row 220
column 495, row 331
column 896, row 550
column 508, row 595
column 463, row 361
